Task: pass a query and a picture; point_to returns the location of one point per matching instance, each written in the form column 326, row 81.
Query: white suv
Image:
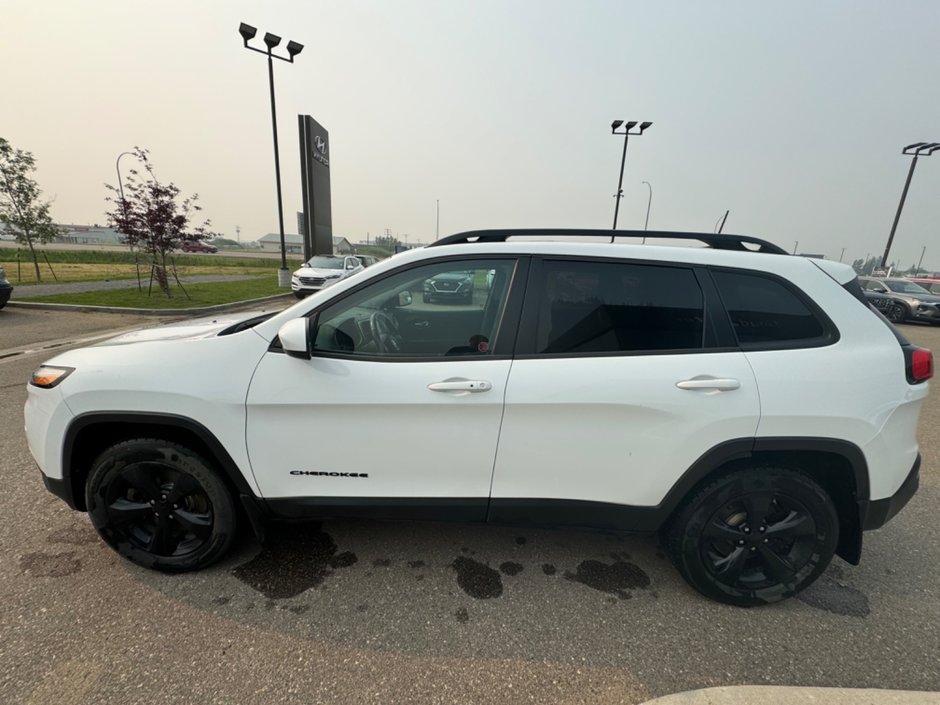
column 321, row 271
column 707, row 393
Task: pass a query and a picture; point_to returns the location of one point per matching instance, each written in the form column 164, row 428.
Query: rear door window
column 608, row 307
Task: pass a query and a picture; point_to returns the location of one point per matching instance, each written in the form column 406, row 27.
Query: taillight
column 919, row 364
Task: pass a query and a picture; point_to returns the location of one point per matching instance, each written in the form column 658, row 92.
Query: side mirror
column 350, row 264
column 404, row 298
column 295, row 337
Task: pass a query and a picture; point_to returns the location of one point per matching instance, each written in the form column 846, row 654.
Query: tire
column 897, row 313
column 300, row 294
column 425, row 299
column 716, row 546
column 160, row 505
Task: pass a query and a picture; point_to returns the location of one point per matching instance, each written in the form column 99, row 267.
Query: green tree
column 152, row 217
column 21, row 209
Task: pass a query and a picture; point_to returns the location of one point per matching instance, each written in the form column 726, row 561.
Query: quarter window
column 764, row 310
column 605, row 307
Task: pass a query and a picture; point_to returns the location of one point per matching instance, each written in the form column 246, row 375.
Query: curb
column 147, row 311
column 787, row 695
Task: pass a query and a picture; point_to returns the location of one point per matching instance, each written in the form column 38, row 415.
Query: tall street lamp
column 117, row 168
column 649, row 202
column 918, row 149
column 293, row 49
column 627, row 132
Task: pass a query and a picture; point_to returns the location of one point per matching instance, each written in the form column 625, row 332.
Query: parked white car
column 321, row 271
column 709, row 394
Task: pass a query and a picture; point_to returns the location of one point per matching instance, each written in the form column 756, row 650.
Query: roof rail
column 718, row 242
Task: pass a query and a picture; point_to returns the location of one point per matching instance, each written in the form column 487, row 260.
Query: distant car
column 367, row 260
column 6, row 288
column 456, row 286
column 910, row 301
column 930, row 284
column 882, row 302
column 198, row 246
column 321, row 271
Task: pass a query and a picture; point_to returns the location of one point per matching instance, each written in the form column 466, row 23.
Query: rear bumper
column 876, row 513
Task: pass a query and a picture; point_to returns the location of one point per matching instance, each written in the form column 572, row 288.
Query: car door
column 618, row 387
column 374, row 423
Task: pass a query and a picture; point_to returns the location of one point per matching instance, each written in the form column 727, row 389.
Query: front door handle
column 706, row 382
column 421, row 324
column 472, row 386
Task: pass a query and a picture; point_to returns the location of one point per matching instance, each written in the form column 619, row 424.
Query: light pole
column 842, row 254
column 918, row 149
column 795, row 245
column 117, row 168
column 626, row 136
column 293, row 49
column 921, row 260
column 649, row 202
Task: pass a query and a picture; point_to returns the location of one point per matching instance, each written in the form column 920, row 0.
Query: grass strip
column 208, row 294
column 9, row 256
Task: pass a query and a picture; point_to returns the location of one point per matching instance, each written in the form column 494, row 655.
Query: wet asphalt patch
column 293, row 560
column 477, row 579
column 617, row 578
column 831, row 594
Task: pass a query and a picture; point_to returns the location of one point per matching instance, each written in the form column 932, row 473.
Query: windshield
column 325, row 262
column 906, row 287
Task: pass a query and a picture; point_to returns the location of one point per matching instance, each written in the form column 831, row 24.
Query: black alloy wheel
column 160, row 505
column 755, row 536
column 897, row 313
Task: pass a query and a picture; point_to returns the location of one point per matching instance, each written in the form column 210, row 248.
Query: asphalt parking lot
column 364, row 612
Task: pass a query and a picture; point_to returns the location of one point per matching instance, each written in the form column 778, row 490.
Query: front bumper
column 876, row 513
column 61, row 489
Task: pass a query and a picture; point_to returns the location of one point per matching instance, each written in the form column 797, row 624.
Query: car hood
column 450, row 276
column 318, row 272
column 922, row 298
column 192, row 330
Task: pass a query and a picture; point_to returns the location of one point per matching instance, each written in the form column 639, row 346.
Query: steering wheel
column 385, row 333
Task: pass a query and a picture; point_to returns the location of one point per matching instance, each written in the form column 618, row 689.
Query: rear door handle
column 705, row 382
column 473, row 386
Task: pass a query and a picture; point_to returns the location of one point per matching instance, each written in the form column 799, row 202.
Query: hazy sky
column 790, row 114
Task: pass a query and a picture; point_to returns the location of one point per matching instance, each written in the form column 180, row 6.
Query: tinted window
column 763, row 310
column 595, row 307
column 904, row 287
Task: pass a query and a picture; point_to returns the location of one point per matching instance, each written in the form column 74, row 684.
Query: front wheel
column 755, row 536
column 160, row 505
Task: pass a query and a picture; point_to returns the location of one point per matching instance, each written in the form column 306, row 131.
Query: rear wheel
column 754, row 536
column 160, row 505
column 897, row 313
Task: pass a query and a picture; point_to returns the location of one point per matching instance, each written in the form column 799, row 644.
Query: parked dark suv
column 449, row 287
column 909, row 301
column 6, row 288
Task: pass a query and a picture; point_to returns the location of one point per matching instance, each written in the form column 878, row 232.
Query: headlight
column 49, row 376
